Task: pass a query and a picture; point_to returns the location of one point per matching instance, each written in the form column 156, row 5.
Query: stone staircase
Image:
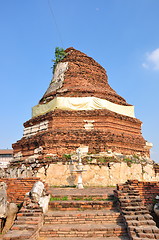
column 139, row 222
column 26, row 226
column 83, row 214
column 91, row 214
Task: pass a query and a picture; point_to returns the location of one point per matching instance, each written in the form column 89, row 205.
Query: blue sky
column 122, row 35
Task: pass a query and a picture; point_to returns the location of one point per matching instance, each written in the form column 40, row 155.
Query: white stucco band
column 81, row 103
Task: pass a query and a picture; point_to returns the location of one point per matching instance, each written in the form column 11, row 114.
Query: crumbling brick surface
column 66, row 133
column 18, row 187
column 132, row 196
column 85, row 78
column 60, row 142
column 147, row 190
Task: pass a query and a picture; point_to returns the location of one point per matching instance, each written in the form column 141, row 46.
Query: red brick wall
column 18, row 187
column 100, row 123
column 147, row 190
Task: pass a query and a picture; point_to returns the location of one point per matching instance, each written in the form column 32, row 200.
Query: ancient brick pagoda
column 79, row 109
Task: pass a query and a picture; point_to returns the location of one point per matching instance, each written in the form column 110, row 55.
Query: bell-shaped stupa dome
column 78, row 75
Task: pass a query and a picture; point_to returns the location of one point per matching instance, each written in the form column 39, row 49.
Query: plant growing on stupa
column 59, row 55
column 67, row 156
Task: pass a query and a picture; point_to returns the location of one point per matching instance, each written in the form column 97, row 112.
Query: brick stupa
column 79, row 109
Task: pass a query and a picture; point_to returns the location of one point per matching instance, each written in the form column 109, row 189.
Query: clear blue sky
column 122, row 35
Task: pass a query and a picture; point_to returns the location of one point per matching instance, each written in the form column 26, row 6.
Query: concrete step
column 80, row 205
column 133, row 204
column 29, row 220
column 83, row 230
column 18, row 235
column 138, row 217
column 132, row 197
column 36, row 209
column 130, row 192
column 139, row 212
column 143, row 238
column 135, row 208
column 21, row 222
column 88, row 238
column 130, row 200
column 144, row 232
column 25, row 226
column 87, row 216
column 141, row 223
column 29, row 213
